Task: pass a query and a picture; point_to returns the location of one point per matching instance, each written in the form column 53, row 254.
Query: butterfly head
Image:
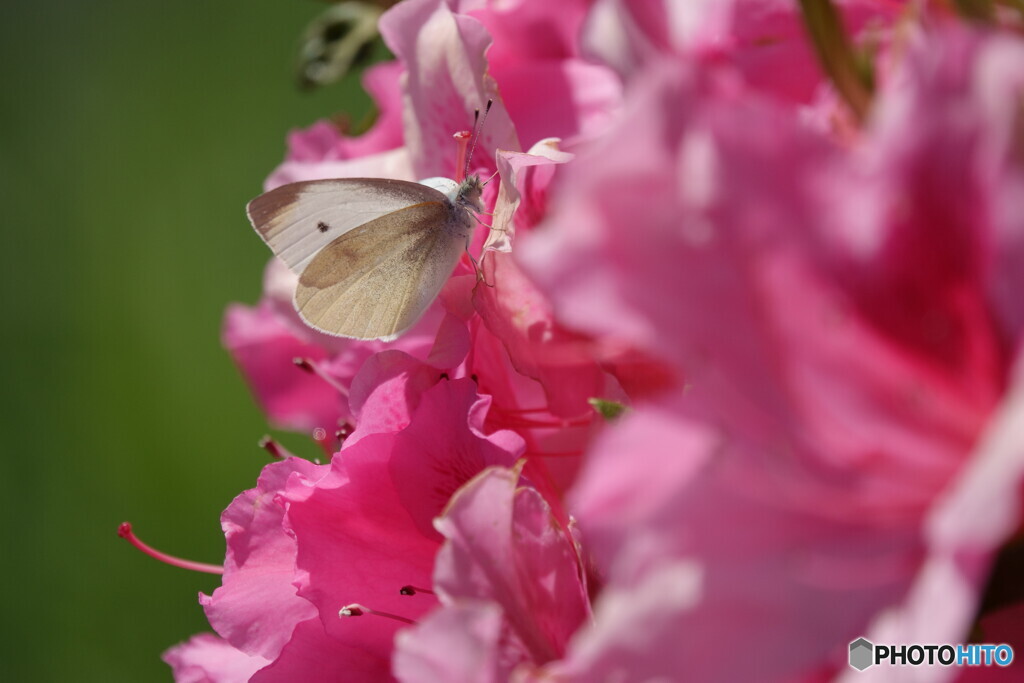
column 470, row 193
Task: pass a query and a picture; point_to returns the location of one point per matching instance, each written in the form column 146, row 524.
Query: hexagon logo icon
column 860, row 654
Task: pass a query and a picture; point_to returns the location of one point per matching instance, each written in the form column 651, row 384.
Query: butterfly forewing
column 298, row 220
column 375, row 281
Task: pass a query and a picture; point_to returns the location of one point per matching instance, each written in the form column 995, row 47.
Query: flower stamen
column 314, row 369
column 125, row 532
column 276, row 450
column 462, row 142
column 357, row 610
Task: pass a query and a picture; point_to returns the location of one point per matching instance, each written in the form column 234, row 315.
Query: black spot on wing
column 322, row 227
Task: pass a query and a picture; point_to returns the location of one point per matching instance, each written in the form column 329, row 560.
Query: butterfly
column 371, row 253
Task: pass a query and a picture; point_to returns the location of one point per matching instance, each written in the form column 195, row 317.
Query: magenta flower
column 206, row 657
column 833, row 313
column 509, row 581
column 739, row 365
column 311, row 539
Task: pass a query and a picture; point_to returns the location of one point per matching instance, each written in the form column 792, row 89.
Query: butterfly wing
column 298, row 220
column 375, row 281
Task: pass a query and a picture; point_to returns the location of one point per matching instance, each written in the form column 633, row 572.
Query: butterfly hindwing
column 374, row 281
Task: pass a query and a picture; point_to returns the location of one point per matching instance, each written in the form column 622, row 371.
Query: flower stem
column 851, row 79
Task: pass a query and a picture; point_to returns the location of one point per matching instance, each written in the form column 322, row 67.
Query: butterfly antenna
column 478, row 126
column 489, row 179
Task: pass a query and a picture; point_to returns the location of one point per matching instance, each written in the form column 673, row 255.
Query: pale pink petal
column 313, row 144
column 569, row 99
column 521, row 178
column 457, row 644
column 205, row 658
column 634, row 635
column 964, row 530
column 390, row 164
column 774, row 568
column 445, row 82
column 323, row 142
column 528, row 31
column 765, row 41
column 504, row 546
column 548, row 89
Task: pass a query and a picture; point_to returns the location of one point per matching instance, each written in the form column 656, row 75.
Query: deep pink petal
column 256, row 607
column 364, row 531
column 264, row 347
column 313, row 655
column 519, row 314
column 387, row 390
column 439, row 451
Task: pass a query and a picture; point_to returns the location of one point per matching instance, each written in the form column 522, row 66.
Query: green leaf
column 609, row 410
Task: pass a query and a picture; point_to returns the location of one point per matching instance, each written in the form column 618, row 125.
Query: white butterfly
column 371, row 254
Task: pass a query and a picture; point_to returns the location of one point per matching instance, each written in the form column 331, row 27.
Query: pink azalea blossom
column 764, row 40
column 256, row 608
column 509, row 579
column 832, row 312
column 311, row 539
column 549, row 87
column 205, row 658
column 266, row 341
column 811, row 321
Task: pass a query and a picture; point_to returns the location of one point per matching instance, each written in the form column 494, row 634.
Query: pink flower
column 311, row 539
column 205, row 658
column 810, row 319
column 765, row 41
column 550, row 89
column 509, row 580
column 266, row 341
column 833, row 315
column 256, row 608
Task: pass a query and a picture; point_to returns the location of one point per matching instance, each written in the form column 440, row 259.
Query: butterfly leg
column 478, row 266
column 480, row 222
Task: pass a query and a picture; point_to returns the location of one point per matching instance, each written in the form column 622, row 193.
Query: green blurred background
column 133, row 134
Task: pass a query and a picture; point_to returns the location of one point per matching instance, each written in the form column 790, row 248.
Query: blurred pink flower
column 765, row 41
column 832, row 313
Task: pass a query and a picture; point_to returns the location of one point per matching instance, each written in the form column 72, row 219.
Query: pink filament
column 462, row 140
column 357, row 610
column 125, row 532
